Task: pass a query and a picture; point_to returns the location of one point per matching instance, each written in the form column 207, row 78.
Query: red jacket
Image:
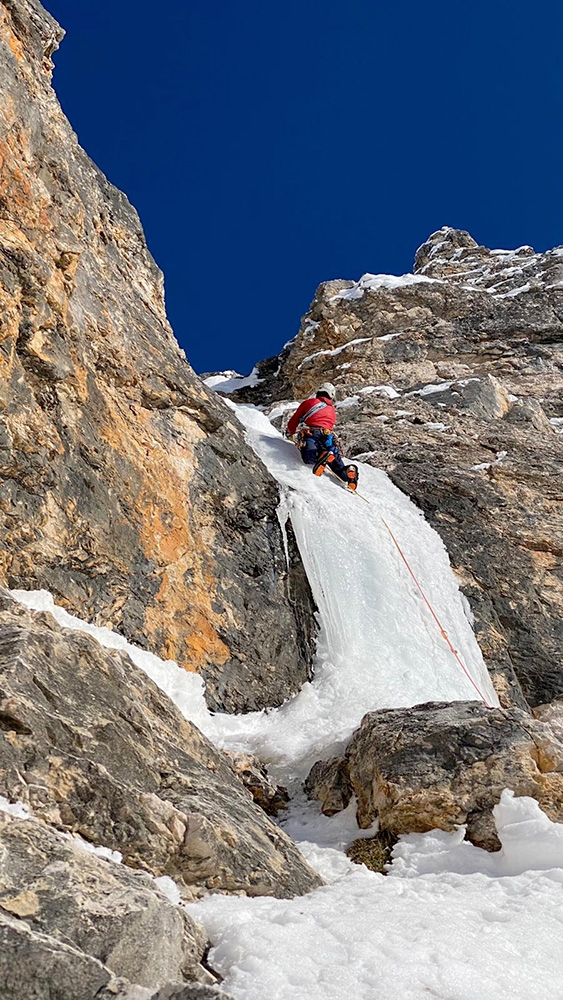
column 325, row 417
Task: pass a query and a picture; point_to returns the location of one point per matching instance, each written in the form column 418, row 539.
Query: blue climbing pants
column 313, row 442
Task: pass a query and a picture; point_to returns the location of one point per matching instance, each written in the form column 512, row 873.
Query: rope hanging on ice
column 435, row 617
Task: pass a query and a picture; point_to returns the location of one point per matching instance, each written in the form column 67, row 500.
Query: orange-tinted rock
column 126, row 487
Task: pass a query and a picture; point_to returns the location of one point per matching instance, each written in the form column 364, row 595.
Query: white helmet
column 328, row 389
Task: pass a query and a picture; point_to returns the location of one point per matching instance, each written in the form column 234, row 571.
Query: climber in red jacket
column 313, row 423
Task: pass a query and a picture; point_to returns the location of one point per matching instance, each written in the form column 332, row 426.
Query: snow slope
column 373, row 937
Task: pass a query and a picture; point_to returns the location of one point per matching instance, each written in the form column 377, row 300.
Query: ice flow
column 378, row 646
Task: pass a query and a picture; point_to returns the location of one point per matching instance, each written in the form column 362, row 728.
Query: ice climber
column 311, row 428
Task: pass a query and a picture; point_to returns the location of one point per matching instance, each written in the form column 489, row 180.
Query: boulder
column 105, row 910
column 436, row 766
column 485, row 397
column 329, row 782
column 95, row 748
column 254, row 775
column 36, row 965
column 529, row 412
column 190, row 991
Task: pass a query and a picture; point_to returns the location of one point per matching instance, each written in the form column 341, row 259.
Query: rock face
column 453, row 378
column 270, row 797
column 95, row 748
column 439, row 765
column 126, row 487
column 107, row 911
column 42, row 967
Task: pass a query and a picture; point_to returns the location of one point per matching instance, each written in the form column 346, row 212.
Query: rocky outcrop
column 95, row 748
column 126, row 487
column 328, row 781
column 194, row 991
column 453, row 381
column 254, row 775
column 105, row 910
column 33, row 964
column 439, row 765
column 36, row 965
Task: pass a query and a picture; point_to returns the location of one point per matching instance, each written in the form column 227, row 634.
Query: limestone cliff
column 128, row 491
column 126, row 488
column 452, row 379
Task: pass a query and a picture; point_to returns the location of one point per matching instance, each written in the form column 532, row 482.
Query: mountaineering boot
column 352, row 476
column 325, row 457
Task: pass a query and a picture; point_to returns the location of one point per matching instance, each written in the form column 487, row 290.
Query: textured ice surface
column 379, row 646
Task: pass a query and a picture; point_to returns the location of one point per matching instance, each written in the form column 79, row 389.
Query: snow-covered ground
column 410, row 935
column 449, row 921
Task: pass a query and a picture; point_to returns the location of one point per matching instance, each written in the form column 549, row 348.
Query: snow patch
column 530, row 842
column 349, row 401
column 282, row 408
column 168, row 886
column 230, row 381
column 449, row 921
column 185, row 689
column 333, row 353
column 374, row 282
column 17, row 809
column 106, row 853
column 515, row 291
column 388, row 391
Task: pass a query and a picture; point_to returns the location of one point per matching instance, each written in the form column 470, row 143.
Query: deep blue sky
column 270, row 146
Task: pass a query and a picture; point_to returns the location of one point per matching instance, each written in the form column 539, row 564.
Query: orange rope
column 428, row 604
column 436, row 619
